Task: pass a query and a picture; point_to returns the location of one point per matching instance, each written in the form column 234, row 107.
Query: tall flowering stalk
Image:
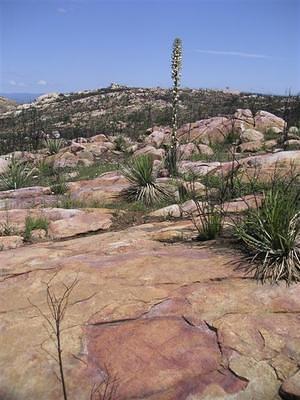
column 176, row 74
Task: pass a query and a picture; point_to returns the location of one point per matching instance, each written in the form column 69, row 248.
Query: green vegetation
column 33, row 223
column 270, row 235
column 143, row 186
column 120, row 143
column 6, row 228
column 53, row 145
column 16, row 176
column 94, row 170
column 208, row 220
column 59, row 186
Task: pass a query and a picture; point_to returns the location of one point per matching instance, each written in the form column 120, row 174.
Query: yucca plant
column 143, row 186
column 53, row 145
column 172, row 153
column 16, row 176
column 271, row 236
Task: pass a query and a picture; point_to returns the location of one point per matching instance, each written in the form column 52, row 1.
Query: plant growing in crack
column 57, row 305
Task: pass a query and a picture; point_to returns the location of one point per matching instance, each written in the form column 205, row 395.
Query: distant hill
column 21, row 98
column 131, row 111
column 7, row 104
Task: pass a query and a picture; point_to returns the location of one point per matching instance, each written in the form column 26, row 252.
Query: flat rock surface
column 63, row 223
column 168, row 321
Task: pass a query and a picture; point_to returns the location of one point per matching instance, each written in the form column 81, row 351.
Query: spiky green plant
column 33, row 223
column 208, row 220
column 53, row 145
column 172, row 154
column 271, row 236
column 143, row 186
column 16, row 176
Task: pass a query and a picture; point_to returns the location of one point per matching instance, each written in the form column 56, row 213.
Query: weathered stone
column 157, row 138
column 155, row 154
column 197, row 167
column 103, row 189
column 30, row 197
column 251, row 135
column 98, row 139
column 10, row 242
column 246, row 116
column 290, row 389
column 169, row 322
column 3, row 165
column 79, row 222
column 294, row 130
column 292, row 144
column 63, row 223
column 186, row 151
column 265, row 120
column 250, row 147
column 204, row 149
column 64, row 160
column 38, row 234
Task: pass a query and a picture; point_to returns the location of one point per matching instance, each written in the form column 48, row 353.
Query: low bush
column 271, row 236
column 59, row 185
column 143, row 186
column 16, row 176
column 53, row 145
column 208, row 220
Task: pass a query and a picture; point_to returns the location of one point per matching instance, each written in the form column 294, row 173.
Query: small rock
column 3, row 165
column 292, row 144
column 38, row 234
column 251, row 135
column 290, row 388
column 10, row 242
column 98, row 139
column 294, row 130
column 251, row 147
column 156, row 154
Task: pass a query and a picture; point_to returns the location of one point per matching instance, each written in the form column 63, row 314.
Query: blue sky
column 70, row 45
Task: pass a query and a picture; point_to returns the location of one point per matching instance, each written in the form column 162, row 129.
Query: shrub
column 6, row 228
column 208, row 220
column 120, row 143
column 33, row 223
column 143, row 186
column 16, row 176
column 271, row 236
column 45, row 169
column 53, row 145
column 59, row 186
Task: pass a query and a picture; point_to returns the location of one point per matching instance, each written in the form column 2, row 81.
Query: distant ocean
column 21, row 98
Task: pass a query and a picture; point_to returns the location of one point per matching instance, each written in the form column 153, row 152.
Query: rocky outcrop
column 251, row 135
column 167, row 321
column 155, row 154
column 265, row 120
column 63, row 223
column 30, row 197
column 102, row 190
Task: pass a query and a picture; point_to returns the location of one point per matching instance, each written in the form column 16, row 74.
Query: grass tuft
column 33, row 223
